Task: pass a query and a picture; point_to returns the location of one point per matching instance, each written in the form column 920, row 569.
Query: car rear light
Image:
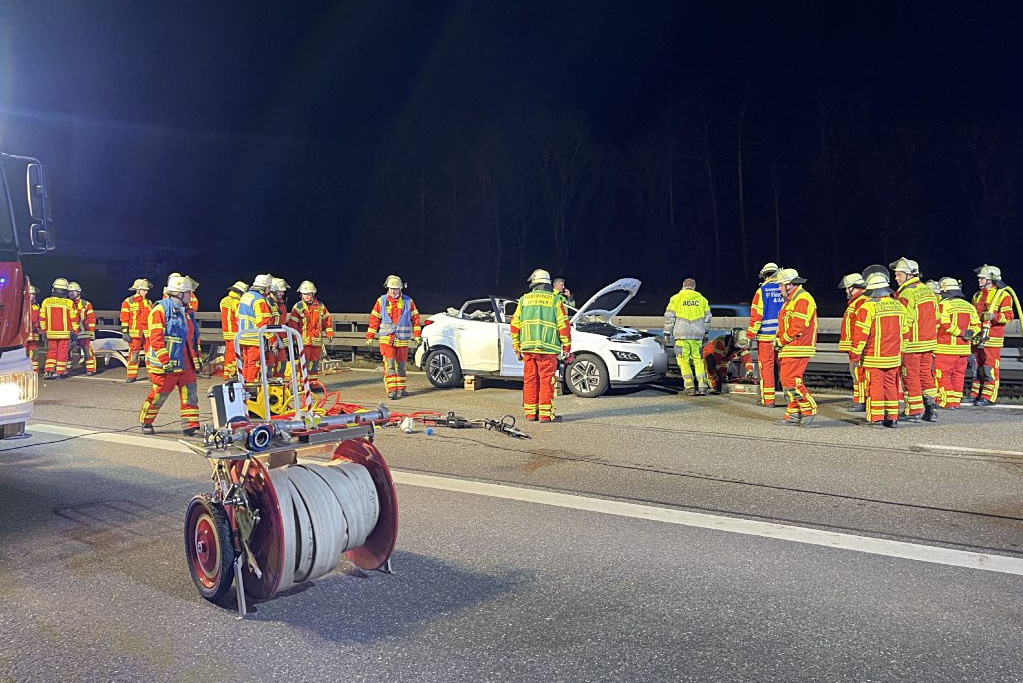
column 427, row 322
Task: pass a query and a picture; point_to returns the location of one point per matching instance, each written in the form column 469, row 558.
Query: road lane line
column 938, row 448
column 797, row 534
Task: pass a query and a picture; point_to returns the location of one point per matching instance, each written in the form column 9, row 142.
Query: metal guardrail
column 350, row 335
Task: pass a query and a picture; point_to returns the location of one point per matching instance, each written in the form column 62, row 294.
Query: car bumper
column 642, row 372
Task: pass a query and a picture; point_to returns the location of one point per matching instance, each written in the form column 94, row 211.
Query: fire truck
column 25, row 228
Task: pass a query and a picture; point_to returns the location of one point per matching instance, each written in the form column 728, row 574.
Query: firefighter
column 918, row 351
column 86, row 324
column 561, row 290
column 763, row 327
column 853, row 285
column 720, row 351
column 134, row 317
column 35, row 336
column 686, row 320
column 278, row 354
column 253, row 313
column 312, row 320
column 796, row 343
column 958, row 323
column 193, row 303
column 172, row 356
column 58, row 320
column 395, row 320
column 994, row 306
column 229, row 326
column 878, row 335
column 541, row 334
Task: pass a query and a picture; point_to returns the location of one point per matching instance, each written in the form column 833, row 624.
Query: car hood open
column 609, row 301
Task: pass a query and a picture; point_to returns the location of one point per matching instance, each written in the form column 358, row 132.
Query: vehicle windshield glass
column 7, row 243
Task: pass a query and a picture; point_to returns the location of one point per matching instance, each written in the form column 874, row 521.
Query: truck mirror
column 41, row 238
column 38, row 196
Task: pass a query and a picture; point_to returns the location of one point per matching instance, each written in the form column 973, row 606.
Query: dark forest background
column 463, row 144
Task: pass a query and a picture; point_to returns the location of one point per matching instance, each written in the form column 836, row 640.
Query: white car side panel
column 476, row 345
column 510, row 365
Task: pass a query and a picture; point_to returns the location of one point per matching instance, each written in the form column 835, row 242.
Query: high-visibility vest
column 763, row 319
column 687, row 316
column 540, row 324
column 396, row 321
column 173, row 338
column 956, row 316
column 879, row 332
column 797, row 326
column 253, row 313
column 58, row 318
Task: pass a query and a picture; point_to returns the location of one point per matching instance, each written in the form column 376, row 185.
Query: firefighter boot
column 930, row 410
column 148, row 430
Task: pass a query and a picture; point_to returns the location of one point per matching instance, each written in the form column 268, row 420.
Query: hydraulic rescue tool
column 291, row 494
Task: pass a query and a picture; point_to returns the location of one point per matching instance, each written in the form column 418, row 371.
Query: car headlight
column 625, row 356
column 18, row 387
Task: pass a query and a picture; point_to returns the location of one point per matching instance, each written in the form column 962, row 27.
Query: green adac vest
column 537, row 316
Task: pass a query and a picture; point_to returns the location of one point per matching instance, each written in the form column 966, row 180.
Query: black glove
column 125, row 336
column 968, row 335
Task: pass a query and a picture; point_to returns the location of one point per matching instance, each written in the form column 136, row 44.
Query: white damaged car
column 476, row 340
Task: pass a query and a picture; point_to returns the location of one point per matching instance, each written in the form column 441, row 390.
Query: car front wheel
column 587, row 376
column 443, row 369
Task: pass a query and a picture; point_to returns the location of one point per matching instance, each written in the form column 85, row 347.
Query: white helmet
column 949, row 284
column 770, row 268
column 878, row 285
column 989, row 272
column 59, row 283
column 263, row 281
column 851, row 280
column 141, row 283
column 539, row 277
column 279, row 285
column 307, row 287
column 393, row 281
column 935, row 287
column 178, row 284
column 74, row 287
column 172, row 276
column 905, row 265
column 787, row 276
column 195, row 285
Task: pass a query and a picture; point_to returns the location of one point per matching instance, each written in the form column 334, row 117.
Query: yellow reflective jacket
column 687, row 316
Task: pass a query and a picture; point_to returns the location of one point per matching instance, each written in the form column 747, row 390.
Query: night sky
column 463, row 144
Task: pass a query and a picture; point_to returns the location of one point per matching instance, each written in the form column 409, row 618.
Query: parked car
column 476, row 339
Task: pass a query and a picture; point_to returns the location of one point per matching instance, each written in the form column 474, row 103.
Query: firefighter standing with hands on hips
column 58, row 320
column 134, row 316
column 853, row 284
column 540, row 333
column 172, row 357
column 994, row 306
column 395, row 320
column 312, row 320
column 796, row 343
column 763, row 328
column 86, row 325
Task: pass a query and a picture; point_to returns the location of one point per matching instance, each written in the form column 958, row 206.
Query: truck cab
column 23, row 193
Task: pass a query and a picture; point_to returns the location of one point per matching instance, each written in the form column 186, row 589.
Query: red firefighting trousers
column 917, row 380
column 395, row 360
column 766, row 361
column 134, row 351
column 230, row 360
column 950, row 372
column 538, row 377
column 986, row 381
column 800, row 403
column 57, row 355
column 882, row 393
column 163, row 385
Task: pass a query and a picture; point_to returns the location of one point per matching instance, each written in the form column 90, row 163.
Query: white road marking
column 784, row 532
column 797, row 534
column 938, row 448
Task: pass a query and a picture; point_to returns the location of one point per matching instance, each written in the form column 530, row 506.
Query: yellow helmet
column 240, row 287
column 393, row 281
column 178, row 284
column 74, row 287
column 59, row 283
column 949, row 284
column 905, row 265
column 33, row 290
column 279, row 285
column 307, row 287
column 989, row 272
column 878, row 285
column 787, row 276
column 851, row 280
column 769, row 268
column 539, row 277
column 141, row 283
column 263, row 281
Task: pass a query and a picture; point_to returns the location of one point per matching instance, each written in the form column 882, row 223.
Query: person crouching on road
column 878, row 337
column 720, row 351
column 253, row 313
column 311, row 319
column 172, row 357
column 86, row 325
column 541, row 333
column 796, row 343
column 958, row 324
column 686, row 320
column 395, row 320
column 853, row 285
column 763, row 328
column 134, row 316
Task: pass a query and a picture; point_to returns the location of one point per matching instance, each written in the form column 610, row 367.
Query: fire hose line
column 326, row 511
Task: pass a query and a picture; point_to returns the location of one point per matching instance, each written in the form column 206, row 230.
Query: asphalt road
column 648, row 537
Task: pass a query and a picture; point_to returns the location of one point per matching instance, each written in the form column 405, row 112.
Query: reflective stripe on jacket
column 540, row 324
column 956, row 316
column 922, row 304
column 58, row 317
column 396, row 321
column 311, row 320
column 687, row 316
column 86, row 319
column 135, row 315
column 797, row 326
column 845, row 334
column 229, row 315
column 173, row 338
column 763, row 319
column 879, row 333
column 999, row 302
column 253, row 313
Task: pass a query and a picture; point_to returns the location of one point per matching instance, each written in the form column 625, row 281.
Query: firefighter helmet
column 987, row 272
column 279, row 285
column 263, row 281
column 769, row 269
column 905, row 265
column 787, row 276
column 878, row 284
column 240, row 287
column 394, row 282
column 195, row 285
column 59, row 283
column 307, row 287
column 739, row 339
column 178, row 284
column 32, row 289
column 851, row 280
column 74, row 287
column 141, row 283
column 935, row 287
column 539, row 277
column 949, row 284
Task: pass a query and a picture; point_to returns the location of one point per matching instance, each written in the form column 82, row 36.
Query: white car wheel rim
column 585, row 375
column 441, row 368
